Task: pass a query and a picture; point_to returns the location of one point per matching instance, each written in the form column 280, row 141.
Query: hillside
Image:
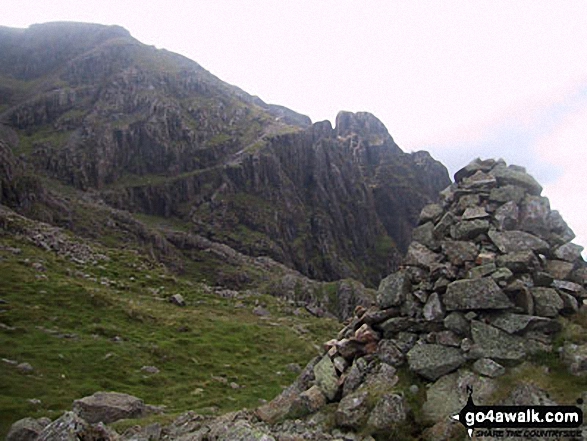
column 130, row 175
column 150, row 132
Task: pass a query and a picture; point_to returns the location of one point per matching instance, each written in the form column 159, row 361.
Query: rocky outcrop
column 155, row 133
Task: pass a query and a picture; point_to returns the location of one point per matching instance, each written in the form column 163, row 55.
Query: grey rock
column 71, row 427
column 519, row 262
column 353, row 410
column 488, row 368
column 507, row 193
column 25, row 368
column 507, row 175
column 405, row 341
column 26, row 429
column 507, row 216
column 541, row 278
column 514, row 241
column 534, row 215
column 430, row 212
column 448, row 395
column 502, row 275
column 477, row 272
column 570, row 303
column 433, row 361
column 568, row 252
column 575, row 358
column 479, row 181
column 570, row 287
column 393, row 289
column 177, row 299
column 475, row 213
column 559, row 227
column 467, row 201
column 473, row 167
column 312, row 399
column 456, row 322
column 448, row 338
column 468, row 294
column 420, row 256
column 326, row 377
column 107, row 407
column 389, row 410
column 519, row 323
column 491, row 342
column 260, row 311
column 547, row 302
column 466, row 230
column 150, row 370
column 433, row 310
column 424, row 234
column 388, row 352
column 459, row 252
column 355, row 375
column 559, row 269
column 443, row 226
column 394, row 325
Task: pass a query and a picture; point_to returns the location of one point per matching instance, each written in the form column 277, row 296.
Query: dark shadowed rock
column 475, row 294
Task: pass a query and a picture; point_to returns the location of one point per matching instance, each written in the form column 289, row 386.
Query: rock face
column 152, row 132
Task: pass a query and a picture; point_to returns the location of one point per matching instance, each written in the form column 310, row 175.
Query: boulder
column 353, row 410
column 513, row 241
column 481, row 293
column 568, row 252
column 326, row 377
column 433, row 361
column 389, row 410
column 393, row 289
column 547, row 302
column 469, row 229
column 26, row 429
column 508, row 175
column 71, row 427
column 108, row 407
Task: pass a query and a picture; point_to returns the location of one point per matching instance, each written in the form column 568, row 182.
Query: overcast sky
column 460, row 79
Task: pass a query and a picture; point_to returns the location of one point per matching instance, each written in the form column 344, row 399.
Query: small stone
column 177, row 299
column 468, row 230
column 389, row 353
column 430, row 212
column 457, row 323
column 433, row 310
column 150, row 370
column 475, row 213
column 260, row 311
column 25, row 368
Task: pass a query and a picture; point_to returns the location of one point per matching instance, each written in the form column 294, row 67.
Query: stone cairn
column 489, row 270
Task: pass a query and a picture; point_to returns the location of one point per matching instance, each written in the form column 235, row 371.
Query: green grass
column 127, row 297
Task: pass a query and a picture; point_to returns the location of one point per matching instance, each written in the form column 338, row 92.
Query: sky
column 461, row 79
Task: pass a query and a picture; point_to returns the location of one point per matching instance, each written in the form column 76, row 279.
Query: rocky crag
column 88, row 108
column 490, row 284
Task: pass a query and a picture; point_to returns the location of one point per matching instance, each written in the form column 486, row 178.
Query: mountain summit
column 151, row 132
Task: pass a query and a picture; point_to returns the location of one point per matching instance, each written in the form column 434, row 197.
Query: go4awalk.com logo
column 520, row 421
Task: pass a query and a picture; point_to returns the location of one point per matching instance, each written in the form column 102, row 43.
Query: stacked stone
column 489, row 270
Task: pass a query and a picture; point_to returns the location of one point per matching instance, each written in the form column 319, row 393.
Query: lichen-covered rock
column 389, row 411
column 491, row 342
column 353, row 410
column 488, row 367
column 326, row 377
column 393, row 289
column 433, row 361
column 475, row 294
column 547, row 302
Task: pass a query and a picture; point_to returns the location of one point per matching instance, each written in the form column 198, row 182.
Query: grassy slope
column 126, row 297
